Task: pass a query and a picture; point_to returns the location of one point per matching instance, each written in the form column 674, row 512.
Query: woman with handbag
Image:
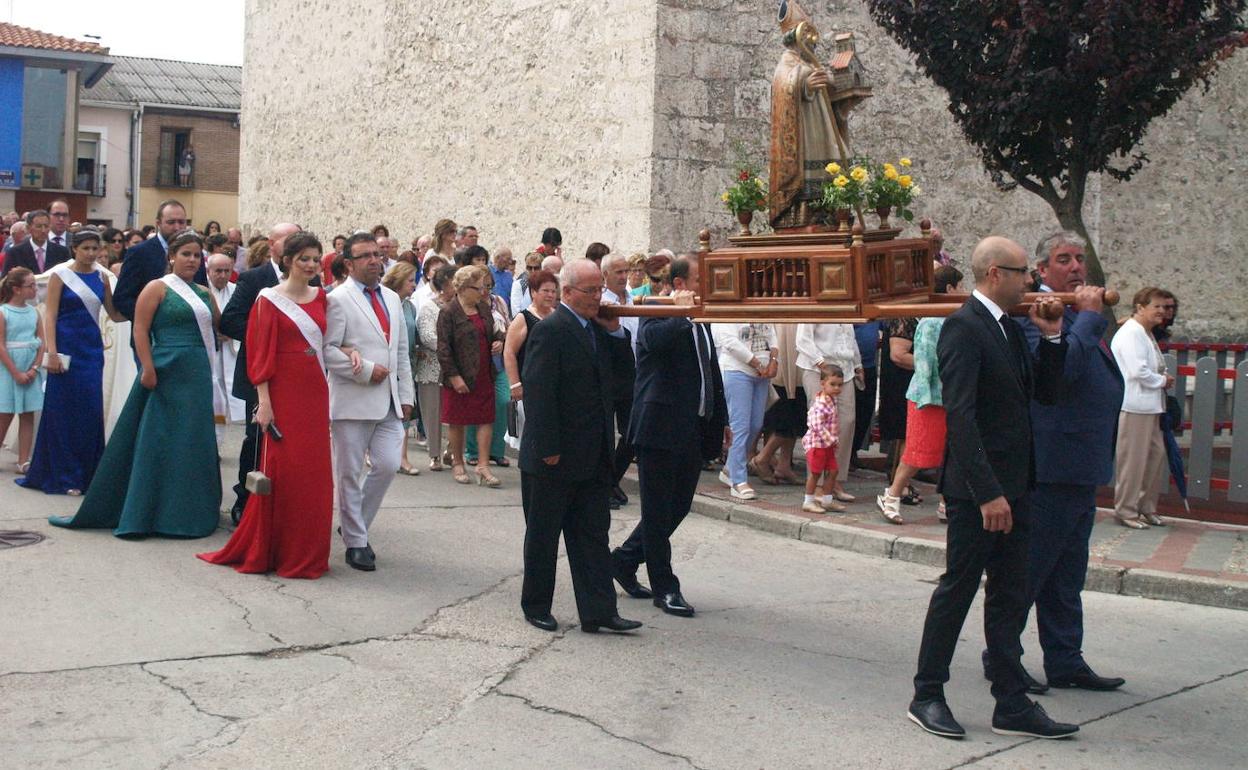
column 287, row 531
column 167, row 415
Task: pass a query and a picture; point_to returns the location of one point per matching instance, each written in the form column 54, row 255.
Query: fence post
column 1204, row 409
column 1178, row 389
column 1237, row 491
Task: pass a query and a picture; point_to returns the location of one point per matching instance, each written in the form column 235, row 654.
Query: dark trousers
column 1062, row 519
column 864, row 408
column 668, row 482
column 624, row 452
column 579, row 510
column 246, row 456
column 971, row 552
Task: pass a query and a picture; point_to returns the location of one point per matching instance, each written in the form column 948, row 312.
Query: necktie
column 1012, row 341
column 707, row 398
column 57, row 239
column 39, row 257
column 379, row 309
column 593, row 340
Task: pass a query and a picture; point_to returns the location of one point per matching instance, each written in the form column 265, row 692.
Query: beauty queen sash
column 203, row 316
column 300, row 318
column 79, row 287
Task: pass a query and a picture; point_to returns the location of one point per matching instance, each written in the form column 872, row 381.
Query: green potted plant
column 747, row 195
column 845, row 191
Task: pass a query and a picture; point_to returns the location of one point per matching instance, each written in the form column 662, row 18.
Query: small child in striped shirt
column 822, row 426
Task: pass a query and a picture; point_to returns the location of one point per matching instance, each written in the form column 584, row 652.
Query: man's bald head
column 553, row 264
column 219, row 267
column 995, row 250
column 278, row 236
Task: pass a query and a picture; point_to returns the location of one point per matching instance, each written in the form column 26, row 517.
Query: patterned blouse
column 822, row 425
column 924, row 387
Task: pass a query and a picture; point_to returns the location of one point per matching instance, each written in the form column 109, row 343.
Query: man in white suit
column 366, row 410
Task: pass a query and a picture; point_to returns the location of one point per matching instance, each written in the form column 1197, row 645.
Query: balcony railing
column 167, row 174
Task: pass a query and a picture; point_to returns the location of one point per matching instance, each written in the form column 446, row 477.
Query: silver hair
column 549, row 263
column 1056, row 240
column 611, row 260
column 568, row 273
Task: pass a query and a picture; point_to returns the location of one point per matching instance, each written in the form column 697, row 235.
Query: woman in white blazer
column 1140, row 458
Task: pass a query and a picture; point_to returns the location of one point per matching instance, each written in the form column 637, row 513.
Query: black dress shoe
column 1033, row 686
column 674, row 604
column 1087, row 679
column 236, row 514
column 546, row 622
column 614, row 623
column 631, row 587
column 361, row 559
column 1033, row 723
column 618, row 496
column 613, row 504
column 935, row 717
column 371, row 553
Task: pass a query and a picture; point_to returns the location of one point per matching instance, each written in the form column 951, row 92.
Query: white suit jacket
column 351, row 322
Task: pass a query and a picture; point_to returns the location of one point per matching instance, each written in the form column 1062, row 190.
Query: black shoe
column 618, row 496
column 674, row 604
column 1032, row 722
column 371, row 553
column 1033, row 686
column 361, row 559
column 546, row 622
column 935, row 717
column 613, row 504
column 614, row 623
column 236, row 514
column 1087, row 680
column 628, row 581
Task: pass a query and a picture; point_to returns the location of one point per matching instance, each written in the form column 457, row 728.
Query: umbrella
column 1168, row 422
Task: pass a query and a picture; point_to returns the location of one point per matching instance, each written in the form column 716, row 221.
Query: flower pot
column 842, row 220
column 745, row 217
column 882, row 213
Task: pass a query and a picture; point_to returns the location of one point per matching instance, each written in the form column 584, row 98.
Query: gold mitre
column 790, row 15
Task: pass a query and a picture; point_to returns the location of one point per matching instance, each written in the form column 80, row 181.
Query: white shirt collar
column 615, row 299
column 993, row 307
column 276, row 268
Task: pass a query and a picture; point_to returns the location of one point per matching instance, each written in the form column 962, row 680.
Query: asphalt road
column 137, row 655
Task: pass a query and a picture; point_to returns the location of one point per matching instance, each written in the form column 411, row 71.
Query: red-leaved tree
column 1050, row 91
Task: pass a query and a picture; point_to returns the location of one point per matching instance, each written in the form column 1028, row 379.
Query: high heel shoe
column 23, row 468
column 487, row 479
column 459, row 474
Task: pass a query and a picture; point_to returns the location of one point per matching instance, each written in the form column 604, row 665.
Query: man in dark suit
column 149, row 261
column 1074, row 441
column 678, row 422
column 566, row 451
column 234, row 325
column 988, row 377
column 37, row 253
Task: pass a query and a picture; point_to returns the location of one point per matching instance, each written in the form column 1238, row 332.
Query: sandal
column 409, row 471
column 23, row 468
column 912, row 496
column 74, row 492
column 888, row 506
column 843, row 497
column 742, row 491
column 487, row 479
column 501, row 462
column 435, row 465
column 789, row 478
column 1152, row 519
column 447, row 459
column 460, row 475
column 763, row 473
column 1136, row 523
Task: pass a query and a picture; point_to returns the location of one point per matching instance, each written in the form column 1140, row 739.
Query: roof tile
column 135, row 79
column 25, row 37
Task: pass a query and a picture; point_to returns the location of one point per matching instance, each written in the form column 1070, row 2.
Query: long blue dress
column 71, row 432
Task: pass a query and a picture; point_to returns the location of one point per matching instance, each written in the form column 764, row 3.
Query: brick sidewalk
column 1185, row 561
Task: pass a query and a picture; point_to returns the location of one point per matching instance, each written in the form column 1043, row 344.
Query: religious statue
column 809, row 117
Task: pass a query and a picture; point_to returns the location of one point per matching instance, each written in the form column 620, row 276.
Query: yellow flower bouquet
column 891, row 187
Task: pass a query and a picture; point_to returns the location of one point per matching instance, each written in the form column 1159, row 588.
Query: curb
column 1102, row 578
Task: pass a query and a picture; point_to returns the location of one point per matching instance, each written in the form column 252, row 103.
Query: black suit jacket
column 667, row 391
column 23, row 255
column 234, row 321
column 567, row 399
column 987, row 384
column 143, row 264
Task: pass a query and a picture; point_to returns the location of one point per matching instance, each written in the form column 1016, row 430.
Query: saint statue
column 806, row 128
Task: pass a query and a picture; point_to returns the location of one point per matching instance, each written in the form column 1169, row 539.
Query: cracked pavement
column 118, row 654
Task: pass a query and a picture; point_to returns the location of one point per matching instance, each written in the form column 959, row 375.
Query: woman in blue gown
column 70, row 440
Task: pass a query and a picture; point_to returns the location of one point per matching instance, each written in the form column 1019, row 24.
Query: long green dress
column 160, row 473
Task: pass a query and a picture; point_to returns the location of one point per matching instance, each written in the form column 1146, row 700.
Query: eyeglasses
column 475, row 288
column 118, row 239
column 60, row 214
column 370, row 255
column 595, row 291
column 533, row 268
column 1019, row 270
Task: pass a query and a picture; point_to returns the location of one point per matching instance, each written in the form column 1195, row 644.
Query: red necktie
column 380, row 310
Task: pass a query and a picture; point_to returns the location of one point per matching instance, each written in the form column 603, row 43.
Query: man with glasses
column 60, row 233
column 149, row 261
column 989, row 376
column 37, row 253
column 234, row 318
column 502, row 267
column 566, row 454
column 366, row 407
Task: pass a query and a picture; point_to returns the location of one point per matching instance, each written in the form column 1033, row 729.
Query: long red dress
column 288, row 531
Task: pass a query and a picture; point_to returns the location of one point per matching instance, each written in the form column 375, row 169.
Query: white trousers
column 360, row 494
column 845, row 416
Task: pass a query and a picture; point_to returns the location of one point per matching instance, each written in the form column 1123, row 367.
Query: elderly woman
column 1141, row 455
column 820, row 346
column 544, row 287
column 401, row 279
column 467, row 340
column 658, row 270
column 636, row 271
column 502, row 397
column 521, row 293
column 425, row 367
column 749, row 359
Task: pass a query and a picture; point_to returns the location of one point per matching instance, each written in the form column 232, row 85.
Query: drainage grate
column 16, row 538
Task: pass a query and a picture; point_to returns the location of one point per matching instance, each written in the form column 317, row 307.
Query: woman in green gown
column 160, row 472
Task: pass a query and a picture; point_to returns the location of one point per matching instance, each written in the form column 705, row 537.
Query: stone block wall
column 615, row 122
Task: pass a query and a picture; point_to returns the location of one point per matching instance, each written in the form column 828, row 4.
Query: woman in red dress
column 467, row 341
column 288, row 531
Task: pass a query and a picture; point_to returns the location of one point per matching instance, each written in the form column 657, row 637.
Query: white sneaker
column 742, row 491
column 812, row 507
column 723, row 476
column 890, row 507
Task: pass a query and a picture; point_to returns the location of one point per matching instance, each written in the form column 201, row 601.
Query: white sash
column 203, row 314
column 311, row 332
column 80, row 288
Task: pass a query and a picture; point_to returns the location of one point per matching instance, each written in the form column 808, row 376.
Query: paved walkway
column 1185, row 561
